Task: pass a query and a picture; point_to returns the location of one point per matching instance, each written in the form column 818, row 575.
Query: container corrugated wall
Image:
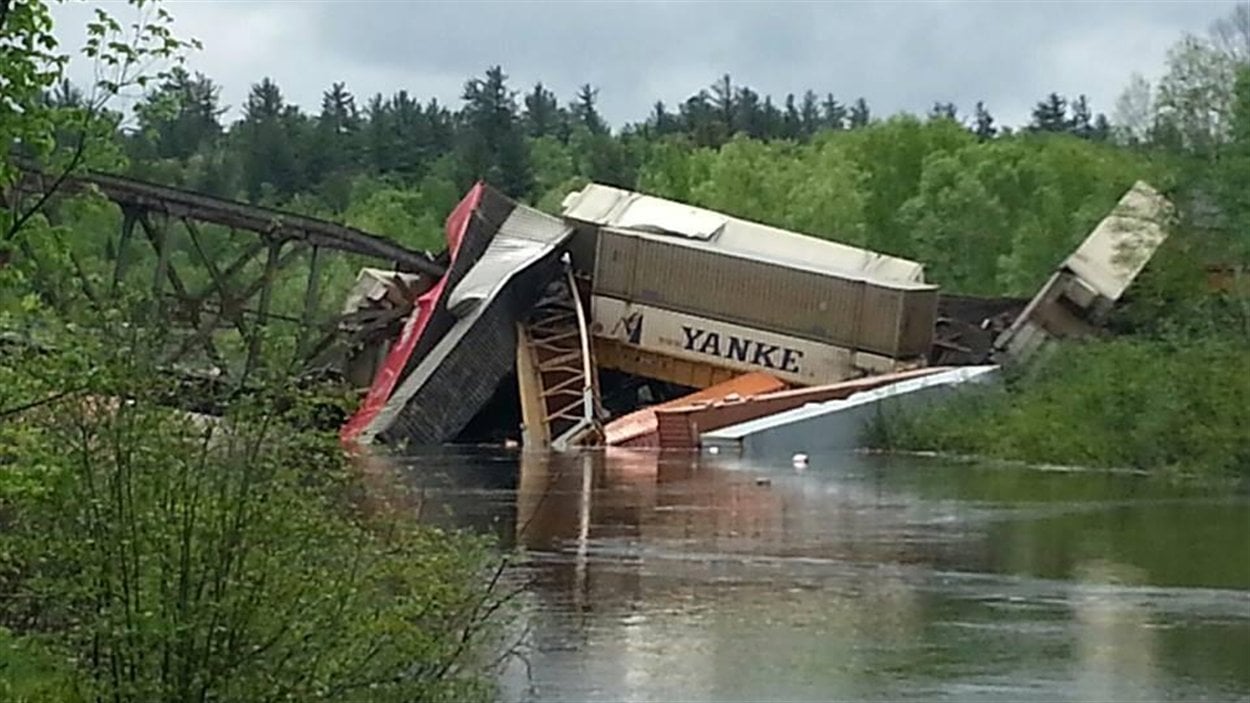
column 919, row 318
column 848, row 312
column 581, row 248
column 615, row 264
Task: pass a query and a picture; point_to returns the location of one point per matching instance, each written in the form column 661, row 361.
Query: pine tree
column 661, row 121
column 407, row 136
column 792, row 121
column 702, row 120
column 440, row 131
column 377, row 134
column 723, row 103
column 584, row 111
column 860, row 116
column 491, row 136
column 334, row 149
column 833, row 113
column 181, row 115
column 542, row 112
column 264, row 102
column 809, row 113
column 749, row 117
column 983, row 123
column 772, row 122
column 1051, row 115
column 1081, row 121
column 1102, row 129
column 269, row 160
column 338, row 110
column 944, row 111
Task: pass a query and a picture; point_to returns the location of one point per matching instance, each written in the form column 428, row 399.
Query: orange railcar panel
column 679, row 426
column 638, row 429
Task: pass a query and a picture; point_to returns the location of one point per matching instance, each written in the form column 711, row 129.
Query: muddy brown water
column 684, row 578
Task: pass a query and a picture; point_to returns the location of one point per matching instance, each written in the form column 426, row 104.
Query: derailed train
column 691, row 296
column 665, row 291
column 651, row 287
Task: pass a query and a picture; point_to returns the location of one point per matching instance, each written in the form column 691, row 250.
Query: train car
column 693, row 296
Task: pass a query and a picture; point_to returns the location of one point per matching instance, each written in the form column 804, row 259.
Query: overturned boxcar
column 692, row 296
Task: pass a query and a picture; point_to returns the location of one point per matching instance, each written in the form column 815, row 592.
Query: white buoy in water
column 799, row 460
column 713, row 450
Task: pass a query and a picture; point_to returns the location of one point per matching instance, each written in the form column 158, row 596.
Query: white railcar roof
column 628, row 211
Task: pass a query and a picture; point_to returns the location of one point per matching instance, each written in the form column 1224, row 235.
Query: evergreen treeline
column 276, row 151
column 988, row 208
column 396, row 164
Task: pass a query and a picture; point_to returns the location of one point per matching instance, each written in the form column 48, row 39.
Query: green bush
column 1179, row 404
column 164, row 557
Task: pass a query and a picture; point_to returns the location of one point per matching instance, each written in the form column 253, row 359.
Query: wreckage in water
column 694, row 297
column 638, row 285
column 533, row 309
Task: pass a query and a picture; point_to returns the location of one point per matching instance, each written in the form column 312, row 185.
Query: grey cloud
column 898, row 55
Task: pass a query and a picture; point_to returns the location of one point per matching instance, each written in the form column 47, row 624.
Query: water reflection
column 1116, row 651
column 687, row 578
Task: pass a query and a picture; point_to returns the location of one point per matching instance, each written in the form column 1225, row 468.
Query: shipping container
column 1076, row 299
column 605, row 206
column 671, row 256
column 660, row 334
column 827, row 306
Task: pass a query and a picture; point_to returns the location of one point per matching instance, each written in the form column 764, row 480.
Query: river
column 857, row 578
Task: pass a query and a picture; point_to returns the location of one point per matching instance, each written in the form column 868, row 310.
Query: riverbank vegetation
column 151, row 555
column 1166, row 389
column 1175, row 405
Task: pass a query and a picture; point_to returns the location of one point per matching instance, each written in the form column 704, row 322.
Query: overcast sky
column 898, row 55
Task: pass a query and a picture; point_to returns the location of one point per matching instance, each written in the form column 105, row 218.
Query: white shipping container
column 699, row 339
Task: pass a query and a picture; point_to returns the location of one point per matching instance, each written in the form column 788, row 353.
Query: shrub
column 1141, row 403
column 169, row 558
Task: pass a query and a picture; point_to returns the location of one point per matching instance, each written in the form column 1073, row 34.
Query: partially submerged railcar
column 693, row 296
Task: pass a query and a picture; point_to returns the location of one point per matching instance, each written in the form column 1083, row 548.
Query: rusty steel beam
column 312, row 295
column 277, row 224
column 129, row 217
column 231, row 304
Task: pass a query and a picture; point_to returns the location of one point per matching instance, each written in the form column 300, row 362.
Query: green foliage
column 411, row 216
column 165, row 557
column 493, row 148
column 31, row 674
column 986, row 217
column 1178, row 404
column 62, row 132
column 1169, row 392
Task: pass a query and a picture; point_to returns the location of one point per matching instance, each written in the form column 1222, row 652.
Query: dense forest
column 987, row 207
column 903, row 184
